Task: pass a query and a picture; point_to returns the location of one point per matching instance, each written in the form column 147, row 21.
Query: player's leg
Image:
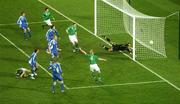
column 61, row 85
column 29, row 32
column 76, row 45
column 93, row 72
column 110, row 49
column 33, row 68
column 54, row 54
column 35, row 72
column 97, row 70
column 25, row 32
column 73, row 41
column 53, row 86
column 107, row 39
column 48, row 23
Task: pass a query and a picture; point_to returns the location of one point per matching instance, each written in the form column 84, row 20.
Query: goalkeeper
column 117, row 47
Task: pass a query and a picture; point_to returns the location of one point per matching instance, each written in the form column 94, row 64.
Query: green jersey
column 71, row 30
column 92, row 58
column 46, row 15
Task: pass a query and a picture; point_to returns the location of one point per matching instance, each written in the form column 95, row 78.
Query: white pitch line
column 8, row 24
column 26, row 55
column 142, row 65
column 114, row 85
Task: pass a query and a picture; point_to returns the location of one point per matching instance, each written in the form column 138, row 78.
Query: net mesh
column 116, row 17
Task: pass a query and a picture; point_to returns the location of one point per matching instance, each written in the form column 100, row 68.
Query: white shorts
column 73, row 39
column 94, row 67
column 48, row 22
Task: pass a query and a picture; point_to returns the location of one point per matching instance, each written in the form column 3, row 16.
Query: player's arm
column 102, row 59
column 50, row 67
column 67, row 30
column 18, row 21
column 82, row 51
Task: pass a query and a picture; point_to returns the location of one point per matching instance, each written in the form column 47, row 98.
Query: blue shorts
column 57, row 77
column 24, row 27
column 54, row 54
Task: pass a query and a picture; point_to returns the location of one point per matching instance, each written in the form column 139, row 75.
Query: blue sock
column 62, row 87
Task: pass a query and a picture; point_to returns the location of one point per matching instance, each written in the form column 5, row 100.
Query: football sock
column 29, row 33
column 25, row 35
column 62, row 86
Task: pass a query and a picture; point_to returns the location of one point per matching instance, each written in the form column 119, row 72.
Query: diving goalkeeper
column 117, row 47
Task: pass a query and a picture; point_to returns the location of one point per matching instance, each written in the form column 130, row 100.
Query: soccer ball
column 151, row 42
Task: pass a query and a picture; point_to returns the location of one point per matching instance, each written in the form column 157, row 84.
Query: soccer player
column 94, row 68
column 53, row 47
column 47, row 16
column 117, row 47
column 50, row 35
column 33, row 63
column 57, row 75
column 23, row 24
column 23, row 72
column 72, row 32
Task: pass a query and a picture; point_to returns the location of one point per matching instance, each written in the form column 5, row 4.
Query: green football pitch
column 150, row 81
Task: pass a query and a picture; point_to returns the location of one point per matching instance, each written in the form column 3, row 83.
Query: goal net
column 146, row 33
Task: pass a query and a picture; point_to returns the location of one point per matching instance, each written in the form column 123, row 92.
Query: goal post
column 146, row 33
column 95, row 16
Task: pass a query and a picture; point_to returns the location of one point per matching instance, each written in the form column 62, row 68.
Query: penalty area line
column 114, row 85
column 30, row 23
column 26, row 55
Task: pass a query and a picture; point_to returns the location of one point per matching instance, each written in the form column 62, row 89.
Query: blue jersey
column 22, row 22
column 56, row 68
column 32, row 59
column 56, row 71
column 50, row 34
column 53, row 46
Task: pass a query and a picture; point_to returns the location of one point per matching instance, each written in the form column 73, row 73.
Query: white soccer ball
column 151, row 42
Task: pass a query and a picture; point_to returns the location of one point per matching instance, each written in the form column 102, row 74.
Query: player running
column 57, row 75
column 72, row 33
column 94, row 68
column 23, row 73
column 23, row 24
column 53, row 47
column 47, row 16
column 50, row 35
column 117, row 47
column 33, row 63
